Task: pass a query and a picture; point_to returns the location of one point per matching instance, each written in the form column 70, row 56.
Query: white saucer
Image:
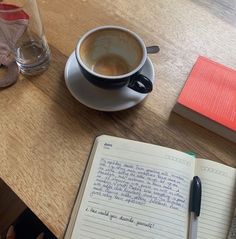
column 101, row 99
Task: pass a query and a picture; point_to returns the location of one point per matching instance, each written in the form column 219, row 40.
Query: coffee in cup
column 111, row 65
column 112, row 57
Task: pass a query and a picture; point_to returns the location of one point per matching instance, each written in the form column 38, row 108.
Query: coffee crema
column 111, row 65
column 111, row 52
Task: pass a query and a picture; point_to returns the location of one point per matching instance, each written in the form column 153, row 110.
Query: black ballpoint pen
column 194, row 206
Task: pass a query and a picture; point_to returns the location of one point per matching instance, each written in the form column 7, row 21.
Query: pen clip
column 195, row 196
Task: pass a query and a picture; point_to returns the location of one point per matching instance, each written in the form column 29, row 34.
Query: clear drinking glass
column 31, row 50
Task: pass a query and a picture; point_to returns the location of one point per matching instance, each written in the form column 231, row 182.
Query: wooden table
column 46, row 135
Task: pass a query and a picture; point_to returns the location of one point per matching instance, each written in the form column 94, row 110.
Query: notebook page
column 135, row 191
column 218, row 199
column 232, row 230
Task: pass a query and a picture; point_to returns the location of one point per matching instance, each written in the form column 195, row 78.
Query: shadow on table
column 14, row 212
column 223, row 9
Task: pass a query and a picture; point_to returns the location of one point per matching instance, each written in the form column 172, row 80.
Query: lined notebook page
column 135, row 191
column 232, row 230
column 218, row 199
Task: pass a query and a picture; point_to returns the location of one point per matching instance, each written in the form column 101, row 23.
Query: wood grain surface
column 46, row 135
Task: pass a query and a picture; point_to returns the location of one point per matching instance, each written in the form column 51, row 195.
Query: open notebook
column 136, row 190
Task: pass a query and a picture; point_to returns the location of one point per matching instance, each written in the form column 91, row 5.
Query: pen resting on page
column 194, row 206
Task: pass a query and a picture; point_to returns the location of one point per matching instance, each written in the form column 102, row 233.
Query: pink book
column 209, row 97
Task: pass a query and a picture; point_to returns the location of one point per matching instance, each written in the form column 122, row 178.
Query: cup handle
column 141, row 84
